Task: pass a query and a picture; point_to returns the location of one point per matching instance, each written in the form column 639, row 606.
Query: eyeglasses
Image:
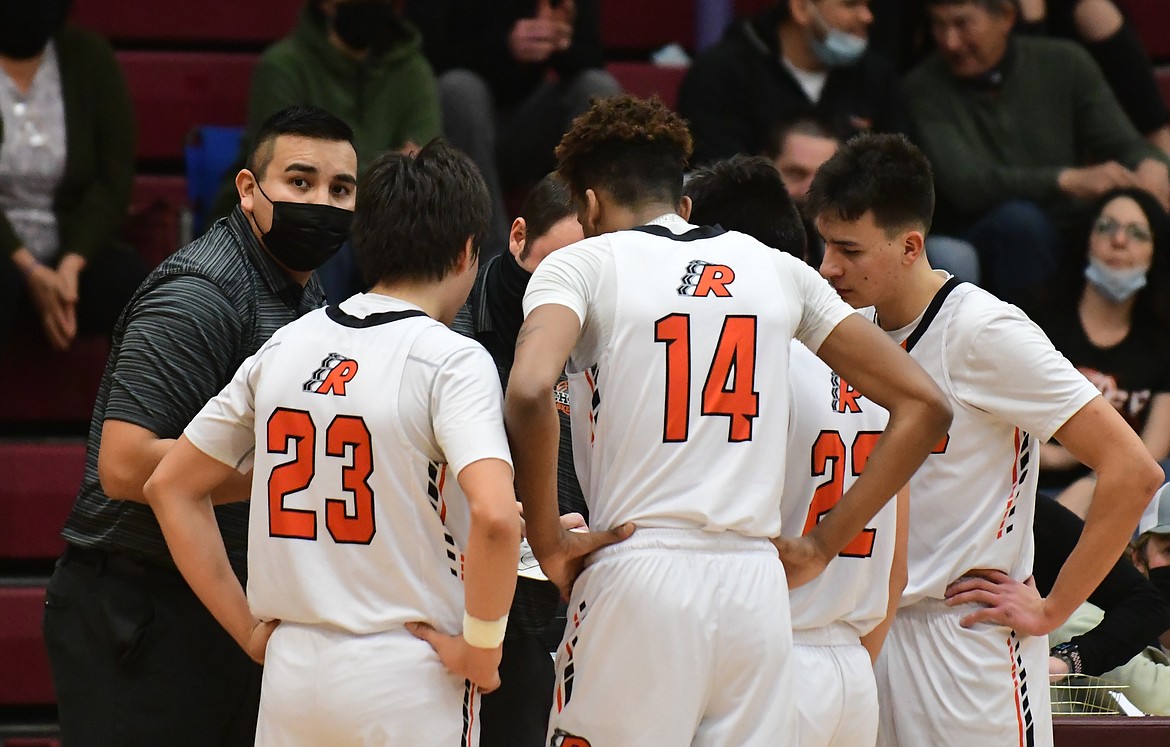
column 1106, row 226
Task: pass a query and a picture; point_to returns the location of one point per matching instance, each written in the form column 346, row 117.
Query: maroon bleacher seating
column 744, row 8
column 1110, row 731
column 646, row 25
column 31, row 742
column 1151, row 18
column 156, row 208
column 175, row 91
column 644, row 79
column 39, row 486
column 26, row 680
column 210, row 22
column 61, row 387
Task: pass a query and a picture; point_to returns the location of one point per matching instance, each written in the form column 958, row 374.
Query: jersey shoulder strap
column 931, row 312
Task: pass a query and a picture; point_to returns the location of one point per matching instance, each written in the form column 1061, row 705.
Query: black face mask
column 25, row 27
column 304, row 235
column 367, row 24
column 1160, row 578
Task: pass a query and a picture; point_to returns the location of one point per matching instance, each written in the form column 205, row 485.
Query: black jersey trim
column 373, row 320
column 931, row 312
column 695, row 234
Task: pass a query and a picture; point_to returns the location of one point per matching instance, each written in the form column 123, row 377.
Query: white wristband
column 484, row 633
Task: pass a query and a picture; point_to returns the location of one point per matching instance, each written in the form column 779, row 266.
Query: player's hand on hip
column 564, row 563
column 257, row 643
column 481, row 666
column 803, row 558
column 1006, row 601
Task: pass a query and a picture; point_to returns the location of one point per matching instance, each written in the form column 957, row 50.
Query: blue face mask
column 1117, row 285
column 837, row 49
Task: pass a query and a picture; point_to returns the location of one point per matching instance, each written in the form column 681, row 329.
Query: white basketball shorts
column 325, row 687
column 944, row 685
column 836, row 695
column 677, row 637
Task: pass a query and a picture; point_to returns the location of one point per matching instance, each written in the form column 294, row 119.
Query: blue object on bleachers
column 210, row 152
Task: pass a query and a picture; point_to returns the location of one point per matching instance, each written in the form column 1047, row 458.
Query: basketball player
column 359, row 420
column 966, row 661
column 677, row 340
column 839, row 618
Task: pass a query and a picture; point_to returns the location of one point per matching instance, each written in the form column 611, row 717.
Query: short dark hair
column 994, row 7
column 547, row 203
column 414, row 214
column 811, row 124
column 884, row 173
column 304, row 120
column 634, row 149
column 746, row 194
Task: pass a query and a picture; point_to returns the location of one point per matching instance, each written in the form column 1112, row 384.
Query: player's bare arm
column 899, row 575
column 919, row 417
column 178, row 491
column 1127, row 477
column 129, row 454
column 545, row 341
column 493, row 549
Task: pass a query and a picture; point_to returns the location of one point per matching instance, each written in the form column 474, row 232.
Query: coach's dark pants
column 138, row 661
column 516, row 715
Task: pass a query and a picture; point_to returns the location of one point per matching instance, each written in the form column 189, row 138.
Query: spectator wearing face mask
column 66, row 166
column 800, row 55
column 359, row 60
column 1111, row 319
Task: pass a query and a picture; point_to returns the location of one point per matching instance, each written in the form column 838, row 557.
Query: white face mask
column 1117, row 285
column 838, row 48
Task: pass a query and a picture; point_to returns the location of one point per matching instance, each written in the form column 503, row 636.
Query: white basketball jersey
column 678, row 383
column 973, row 499
column 361, row 418
column 833, row 431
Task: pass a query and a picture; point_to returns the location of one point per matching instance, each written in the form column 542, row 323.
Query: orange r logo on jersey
column 565, row 739
column 845, row 397
column 705, row 279
column 335, row 372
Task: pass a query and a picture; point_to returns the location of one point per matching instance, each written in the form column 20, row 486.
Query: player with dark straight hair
column 397, row 236
column 840, row 618
column 382, row 491
column 966, row 660
column 675, row 340
column 747, row 194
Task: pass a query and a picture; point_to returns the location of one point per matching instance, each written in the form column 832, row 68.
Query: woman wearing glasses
column 1112, row 321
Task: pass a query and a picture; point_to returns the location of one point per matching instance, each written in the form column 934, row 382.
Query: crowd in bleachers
column 1046, row 122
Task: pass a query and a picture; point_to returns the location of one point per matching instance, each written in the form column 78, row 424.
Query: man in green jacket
column 361, row 61
column 1022, row 132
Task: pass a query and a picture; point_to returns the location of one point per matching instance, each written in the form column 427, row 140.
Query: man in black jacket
column 801, row 55
column 512, row 75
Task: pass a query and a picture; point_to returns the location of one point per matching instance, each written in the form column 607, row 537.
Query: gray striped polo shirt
column 180, row 339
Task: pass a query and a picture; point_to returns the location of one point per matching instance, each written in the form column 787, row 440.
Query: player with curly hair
column 676, row 339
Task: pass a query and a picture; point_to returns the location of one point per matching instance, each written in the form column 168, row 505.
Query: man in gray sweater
column 1021, row 133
